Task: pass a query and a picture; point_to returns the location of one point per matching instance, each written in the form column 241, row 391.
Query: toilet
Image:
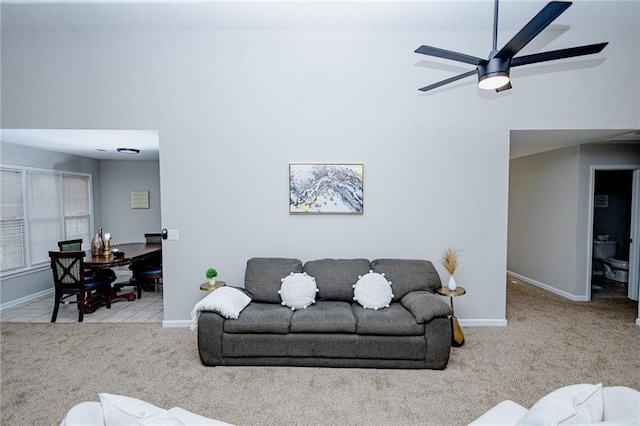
column 604, row 249
column 616, row 269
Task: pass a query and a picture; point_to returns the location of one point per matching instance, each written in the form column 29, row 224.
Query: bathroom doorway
column 615, row 258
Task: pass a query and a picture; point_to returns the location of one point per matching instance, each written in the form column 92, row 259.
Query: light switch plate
column 173, row 234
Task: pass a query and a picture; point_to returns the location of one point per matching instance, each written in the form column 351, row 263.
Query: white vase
column 212, row 281
column 452, row 283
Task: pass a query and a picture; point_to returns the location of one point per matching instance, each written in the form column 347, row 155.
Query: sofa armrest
column 210, row 329
column 425, row 306
column 503, row 414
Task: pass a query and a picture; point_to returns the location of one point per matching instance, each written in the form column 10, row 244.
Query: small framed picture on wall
column 139, row 199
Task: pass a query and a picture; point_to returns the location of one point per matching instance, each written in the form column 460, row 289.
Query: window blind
column 44, row 209
column 77, row 209
column 12, row 243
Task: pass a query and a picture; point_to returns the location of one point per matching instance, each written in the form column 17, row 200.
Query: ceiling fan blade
column 534, row 27
column 448, row 80
column 558, row 54
column 448, row 54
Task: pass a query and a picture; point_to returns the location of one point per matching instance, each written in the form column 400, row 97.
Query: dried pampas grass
column 450, row 259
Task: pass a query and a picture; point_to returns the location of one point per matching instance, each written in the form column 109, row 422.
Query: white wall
column 119, row 178
column 543, row 203
column 234, row 108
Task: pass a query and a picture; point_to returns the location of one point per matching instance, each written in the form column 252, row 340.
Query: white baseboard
column 549, row 288
column 176, row 324
column 483, row 322
column 26, row 299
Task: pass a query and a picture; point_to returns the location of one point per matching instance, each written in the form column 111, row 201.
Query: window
column 77, row 208
column 12, row 247
column 57, row 207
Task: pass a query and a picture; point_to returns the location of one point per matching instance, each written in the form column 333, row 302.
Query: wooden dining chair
column 153, row 238
column 76, row 245
column 147, row 273
column 70, row 245
column 69, row 280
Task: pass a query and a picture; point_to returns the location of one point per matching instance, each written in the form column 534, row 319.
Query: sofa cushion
column 261, row 318
column 621, row 405
column 505, row 413
column 574, row 404
column 373, row 291
column 392, row 321
column 263, row 274
column 298, row 291
column 83, row 414
column 408, row 275
column 425, row 306
column 317, row 345
column 324, row 317
column 123, row 410
column 335, row 277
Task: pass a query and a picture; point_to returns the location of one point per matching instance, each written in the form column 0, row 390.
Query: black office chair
column 69, row 280
column 147, row 273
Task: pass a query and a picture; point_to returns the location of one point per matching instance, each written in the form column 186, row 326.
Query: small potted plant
column 450, row 262
column 211, row 275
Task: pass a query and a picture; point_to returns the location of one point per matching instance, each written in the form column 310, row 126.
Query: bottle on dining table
column 97, row 244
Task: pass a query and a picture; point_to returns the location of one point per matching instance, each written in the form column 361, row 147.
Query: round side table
column 208, row 287
column 457, row 338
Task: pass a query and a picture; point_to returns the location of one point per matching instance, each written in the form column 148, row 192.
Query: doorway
column 614, row 228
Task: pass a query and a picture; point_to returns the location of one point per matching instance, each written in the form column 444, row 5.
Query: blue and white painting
column 326, row 188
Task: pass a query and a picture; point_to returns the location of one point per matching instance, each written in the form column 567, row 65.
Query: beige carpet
column 549, row 342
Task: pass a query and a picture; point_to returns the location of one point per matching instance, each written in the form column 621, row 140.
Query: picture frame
column 326, row 188
column 139, row 199
column 601, row 201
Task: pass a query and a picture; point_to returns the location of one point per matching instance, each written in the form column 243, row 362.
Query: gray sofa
column 413, row 332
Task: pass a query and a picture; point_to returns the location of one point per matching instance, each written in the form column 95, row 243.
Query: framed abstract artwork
column 326, row 188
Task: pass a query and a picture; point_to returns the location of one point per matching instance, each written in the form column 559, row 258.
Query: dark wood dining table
column 124, row 255
column 130, row 253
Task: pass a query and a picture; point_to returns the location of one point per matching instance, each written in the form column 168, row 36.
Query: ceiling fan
column 493, row 72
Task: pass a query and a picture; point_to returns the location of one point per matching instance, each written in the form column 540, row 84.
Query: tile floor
column 602, row 288
column 147, row 309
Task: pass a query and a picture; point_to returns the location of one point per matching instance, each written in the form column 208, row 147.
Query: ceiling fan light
column 493, row 81
column 128, row 150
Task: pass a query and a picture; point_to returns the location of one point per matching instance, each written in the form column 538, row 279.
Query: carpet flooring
column 549, row 342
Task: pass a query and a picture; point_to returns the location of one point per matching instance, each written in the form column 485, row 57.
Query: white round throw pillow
column 372, row 291
column 298, row 290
